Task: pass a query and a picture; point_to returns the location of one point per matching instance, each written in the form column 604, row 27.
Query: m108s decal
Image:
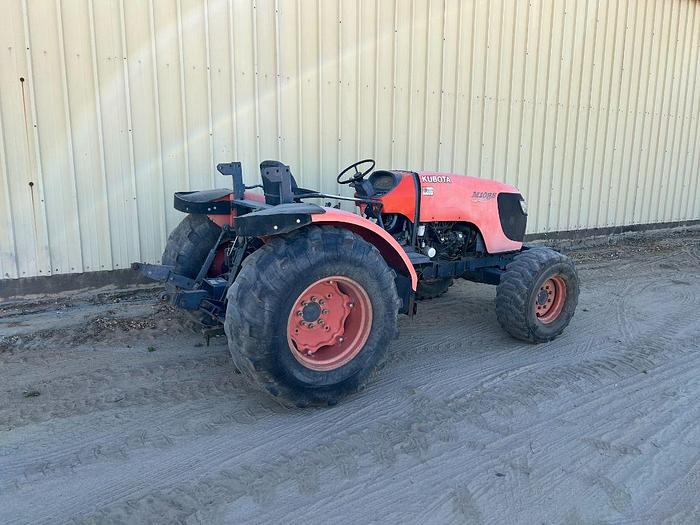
column 483, row 196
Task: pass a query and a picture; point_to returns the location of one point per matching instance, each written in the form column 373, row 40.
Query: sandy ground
column 112, row 410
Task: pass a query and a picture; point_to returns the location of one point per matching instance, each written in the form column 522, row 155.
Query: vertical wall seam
column 645, row 58
column 300, row 108
column 557, row 117
column 498, row 106
column 278, row 81
column 692, row 73
column 442, row 88
column 589, row 107
column 8, row 206
column 130, row 134
column 483, row 89
column 100, row 132
column 678, row 130
column 425, row 85
column 509, row 97
column 607, row 115
column 69, row 136
column 376, row 78
column 457, row 87
column 358, row 80
column 394, row 37
column 183, row 95
column 688, row 172
column 657, row 177
column 339, row 131
column 210, row 114
column 570, row 196
column 159, row 139
column 671, row 124
column 470, row 100
column 522, row 92
column 655, row 129
column 319, row 88
column 37, row 160
column 538, row 193
column 567, row 114
column 533, row 198
column 409, row 120
column 255, row 82
column 232, row 64
column 610, row 188
column 627, row 189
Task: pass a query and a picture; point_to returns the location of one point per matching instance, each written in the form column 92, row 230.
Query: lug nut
column 300, row 313
column 324, row 311
column 321, row 322
column 322, row 302
column 313, row 298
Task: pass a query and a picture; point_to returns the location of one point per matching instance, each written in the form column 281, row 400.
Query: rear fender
column 229, row 219
column 390, row 249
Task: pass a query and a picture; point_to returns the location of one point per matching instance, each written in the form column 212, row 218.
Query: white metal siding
column 109, row 106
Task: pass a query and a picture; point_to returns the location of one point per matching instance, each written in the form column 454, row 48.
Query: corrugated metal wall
column 109, row 106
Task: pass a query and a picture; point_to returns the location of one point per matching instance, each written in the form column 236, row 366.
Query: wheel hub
column 550, row 299
column 329, row 323
column 311, row 312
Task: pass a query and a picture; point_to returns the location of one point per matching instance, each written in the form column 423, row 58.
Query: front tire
column 311, row 314
column 432, row 288
column 537, row 295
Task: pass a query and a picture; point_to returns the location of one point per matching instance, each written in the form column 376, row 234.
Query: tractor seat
column 279, row 185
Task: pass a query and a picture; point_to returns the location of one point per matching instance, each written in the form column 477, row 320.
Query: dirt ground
column 113, row 410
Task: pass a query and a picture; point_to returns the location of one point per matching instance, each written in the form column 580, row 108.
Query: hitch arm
column 163, row 273
column 204, row 270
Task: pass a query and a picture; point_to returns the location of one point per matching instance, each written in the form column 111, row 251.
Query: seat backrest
column 278, row 182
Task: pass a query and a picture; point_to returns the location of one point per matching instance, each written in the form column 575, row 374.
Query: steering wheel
column 359, row 175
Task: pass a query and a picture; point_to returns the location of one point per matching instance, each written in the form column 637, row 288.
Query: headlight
column 523, row 205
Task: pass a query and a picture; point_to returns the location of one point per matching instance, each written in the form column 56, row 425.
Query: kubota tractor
column 309, row 295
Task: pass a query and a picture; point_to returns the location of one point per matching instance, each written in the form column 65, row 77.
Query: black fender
column 276, row 220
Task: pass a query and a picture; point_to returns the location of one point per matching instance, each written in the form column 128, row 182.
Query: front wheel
column 311, row 314
column 432, row 288
column 537, row 295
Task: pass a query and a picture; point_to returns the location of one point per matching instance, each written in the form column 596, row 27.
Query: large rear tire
column 189, row 244
column 537, row 295
column 311, row 314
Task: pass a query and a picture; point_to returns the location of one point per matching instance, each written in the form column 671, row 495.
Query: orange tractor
column 309, row 295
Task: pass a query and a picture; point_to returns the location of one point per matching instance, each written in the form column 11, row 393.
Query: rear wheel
column 189, row 244
column 186, row 250
column 537, row 295
column 311, row 314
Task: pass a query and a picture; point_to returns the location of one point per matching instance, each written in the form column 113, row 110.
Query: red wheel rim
column 329, row 323
column 550, row 299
